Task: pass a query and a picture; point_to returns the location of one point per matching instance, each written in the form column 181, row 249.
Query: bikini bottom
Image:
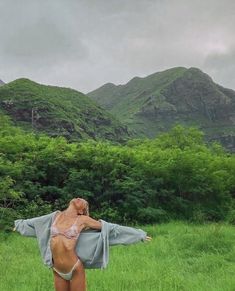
column 67, row 276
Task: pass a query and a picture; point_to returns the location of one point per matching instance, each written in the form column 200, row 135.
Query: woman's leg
column 78, row 282
column 60, row 283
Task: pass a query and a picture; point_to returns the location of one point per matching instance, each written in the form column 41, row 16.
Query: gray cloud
column 222, row 66
column 86, row 43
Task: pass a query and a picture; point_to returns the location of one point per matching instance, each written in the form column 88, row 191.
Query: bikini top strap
column 76, row 220
column 56, row 218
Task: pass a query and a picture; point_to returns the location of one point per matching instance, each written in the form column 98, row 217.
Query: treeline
column 174, row 176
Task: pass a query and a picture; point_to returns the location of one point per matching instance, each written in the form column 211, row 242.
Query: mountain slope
column 58, row 111
column 116, row 98
column 1, row 83
column 179, row 95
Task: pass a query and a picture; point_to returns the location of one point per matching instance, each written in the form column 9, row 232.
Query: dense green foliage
column 180, row 257
column 175, row 176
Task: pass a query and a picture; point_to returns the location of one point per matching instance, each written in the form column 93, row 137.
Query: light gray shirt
column 92, row 245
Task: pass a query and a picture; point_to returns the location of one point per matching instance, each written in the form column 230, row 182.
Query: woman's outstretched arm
column 96, row 224
column 91, row 223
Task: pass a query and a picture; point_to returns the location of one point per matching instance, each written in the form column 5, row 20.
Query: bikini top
column 71, row 233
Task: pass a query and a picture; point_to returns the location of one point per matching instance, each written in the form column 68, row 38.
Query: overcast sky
column 84, row 44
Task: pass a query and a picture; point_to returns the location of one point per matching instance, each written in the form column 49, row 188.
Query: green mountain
column 155, row 103
column 58, row 111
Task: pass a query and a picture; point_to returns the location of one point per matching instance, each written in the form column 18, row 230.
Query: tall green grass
column 180, row 256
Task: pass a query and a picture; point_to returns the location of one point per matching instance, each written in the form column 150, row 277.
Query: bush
column 7, row 217
column 152, row 215
column 231, row 217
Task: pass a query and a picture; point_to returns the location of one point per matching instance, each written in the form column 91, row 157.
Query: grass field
column 180, row 256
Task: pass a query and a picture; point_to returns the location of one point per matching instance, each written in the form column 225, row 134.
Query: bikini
column 70, row 233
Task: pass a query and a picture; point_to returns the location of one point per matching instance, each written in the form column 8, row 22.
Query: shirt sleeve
column 25, row 227
column 126, row 235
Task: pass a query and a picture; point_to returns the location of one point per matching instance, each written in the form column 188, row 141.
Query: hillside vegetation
column 174, row 176
column 58, row 111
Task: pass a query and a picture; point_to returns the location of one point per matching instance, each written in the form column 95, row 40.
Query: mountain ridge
column 155, row 103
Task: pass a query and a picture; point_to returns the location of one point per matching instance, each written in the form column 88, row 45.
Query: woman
column 65, row 228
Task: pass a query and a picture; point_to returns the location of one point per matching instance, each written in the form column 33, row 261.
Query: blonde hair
column 86, row 211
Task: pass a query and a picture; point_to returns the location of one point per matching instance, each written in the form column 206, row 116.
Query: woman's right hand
column 148, row 238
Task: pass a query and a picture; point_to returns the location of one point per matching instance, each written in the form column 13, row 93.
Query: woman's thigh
column 60, row 283
column 78, row 282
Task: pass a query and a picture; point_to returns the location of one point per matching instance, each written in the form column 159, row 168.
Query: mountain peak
column 196, row 73
column 1, row 82
column 108, row 85
column 22, row 81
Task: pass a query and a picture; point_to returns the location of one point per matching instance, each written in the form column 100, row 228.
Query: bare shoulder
column 90, row 222
column 82, row 218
